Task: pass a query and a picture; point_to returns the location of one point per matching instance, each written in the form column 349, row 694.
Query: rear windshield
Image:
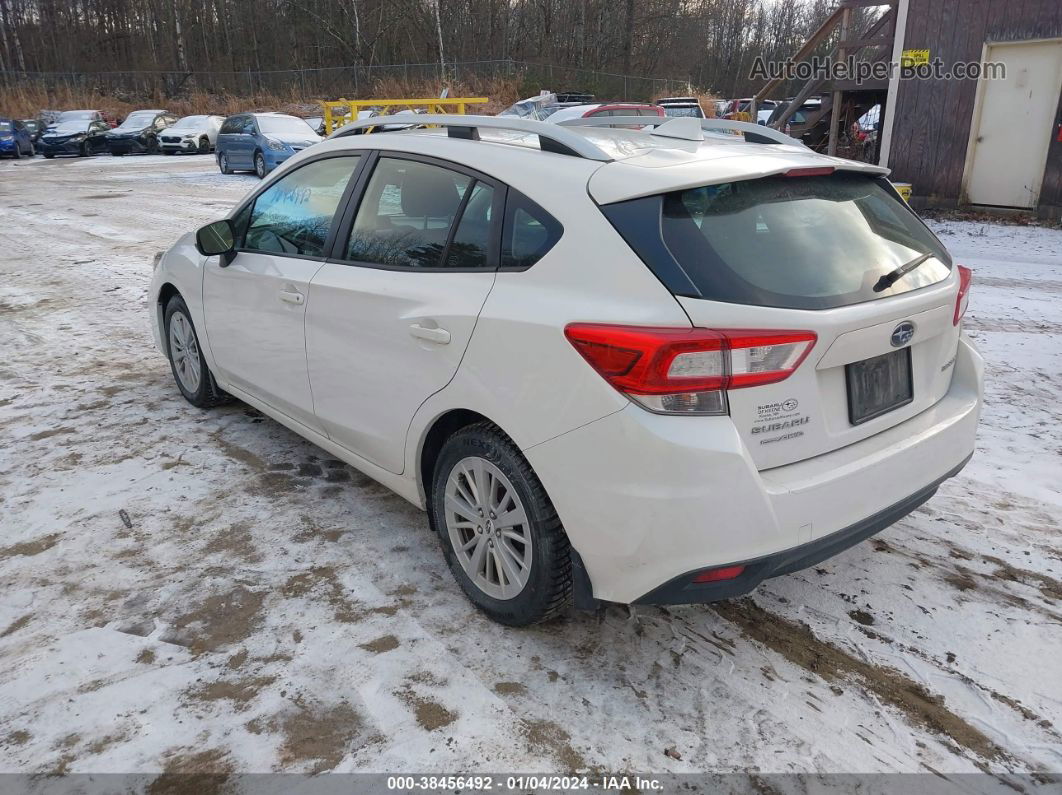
column 793, row 242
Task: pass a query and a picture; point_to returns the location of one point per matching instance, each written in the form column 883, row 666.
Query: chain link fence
column 354, row 82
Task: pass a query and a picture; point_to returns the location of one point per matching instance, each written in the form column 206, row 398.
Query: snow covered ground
column 267, row 608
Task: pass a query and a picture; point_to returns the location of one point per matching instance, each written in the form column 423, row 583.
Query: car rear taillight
column 962, row 300
column 687, row 371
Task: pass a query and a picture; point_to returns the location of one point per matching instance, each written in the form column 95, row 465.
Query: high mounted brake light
column 687, row 371
column 962, row 300
column 816, row 171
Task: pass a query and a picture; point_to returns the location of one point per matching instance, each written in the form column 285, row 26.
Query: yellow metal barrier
column 351, row 107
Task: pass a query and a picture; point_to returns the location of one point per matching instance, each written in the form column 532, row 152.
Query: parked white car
column 198, row 134
column 681, row 106
column 647, row 367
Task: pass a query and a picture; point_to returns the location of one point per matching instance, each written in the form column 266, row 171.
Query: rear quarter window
column 529, row 232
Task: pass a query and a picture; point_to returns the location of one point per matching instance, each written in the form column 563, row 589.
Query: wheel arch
column 166, row 292
column 434, row 437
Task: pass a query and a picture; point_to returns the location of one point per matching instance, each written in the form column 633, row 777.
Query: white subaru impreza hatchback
column 649, row 365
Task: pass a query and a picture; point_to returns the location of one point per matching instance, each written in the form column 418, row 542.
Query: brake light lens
column 687, row 371
column 815, row 171
column 962, row 300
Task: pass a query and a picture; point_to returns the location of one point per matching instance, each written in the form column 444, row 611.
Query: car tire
column 48, row 155
column 167, row 151
column 204, row 145
column 260, row 165
column 18, row 152
column 189, row 368
column 223, row 164
column 152, row 147
column 536, row 549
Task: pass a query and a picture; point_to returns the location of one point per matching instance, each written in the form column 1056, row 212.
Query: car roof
column 632, row 163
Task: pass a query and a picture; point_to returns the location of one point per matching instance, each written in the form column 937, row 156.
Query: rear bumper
column 647, row 499
column 682, row 591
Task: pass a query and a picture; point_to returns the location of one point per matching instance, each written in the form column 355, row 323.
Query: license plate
column 879, row 385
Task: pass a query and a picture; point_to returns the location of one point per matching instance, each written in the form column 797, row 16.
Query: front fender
column 181, row 269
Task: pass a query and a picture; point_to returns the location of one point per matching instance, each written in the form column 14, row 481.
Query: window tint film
column 529, row 233
column 406, row 214
column 294, row 215
column 792, row 242
column 471, row 242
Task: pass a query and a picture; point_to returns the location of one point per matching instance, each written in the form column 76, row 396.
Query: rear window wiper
column 893, row 276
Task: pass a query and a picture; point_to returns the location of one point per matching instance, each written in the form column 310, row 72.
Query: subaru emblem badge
column 903, row 334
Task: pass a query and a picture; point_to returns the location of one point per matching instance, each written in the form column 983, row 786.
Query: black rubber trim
column 681, row 591
column 582, row 590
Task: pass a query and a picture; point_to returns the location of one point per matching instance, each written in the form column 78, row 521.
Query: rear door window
column 470, row 245
column 406, row 214
column 794, row 242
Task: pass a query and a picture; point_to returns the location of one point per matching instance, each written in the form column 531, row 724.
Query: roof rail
column 551, row 137
column 687, row 128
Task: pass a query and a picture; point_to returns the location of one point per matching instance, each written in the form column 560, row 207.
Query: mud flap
column 582, row 590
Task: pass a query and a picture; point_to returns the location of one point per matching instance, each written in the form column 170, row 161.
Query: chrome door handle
column 437, row 335
column 292, row 297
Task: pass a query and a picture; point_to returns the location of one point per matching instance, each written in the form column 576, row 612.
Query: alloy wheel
column 488, row 528
column 185, row 352
column 259, row 166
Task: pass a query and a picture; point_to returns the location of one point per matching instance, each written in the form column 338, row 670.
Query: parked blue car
column 260, row 142
column 15, row 139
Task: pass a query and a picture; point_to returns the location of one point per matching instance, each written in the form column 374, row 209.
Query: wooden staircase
column 877, row 39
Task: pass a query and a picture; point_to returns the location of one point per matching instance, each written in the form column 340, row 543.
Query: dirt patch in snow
column 30, row 548
column 193, row 773
column 797, row 644
column 240, row 691
column 16, row 625
column 430, row 714
column 1049, row 587
column 380, row 645
column 18, row 737
column 320, row 736
column 510, row 689
column 235, row 541
column 546, row 737
column 220, row 620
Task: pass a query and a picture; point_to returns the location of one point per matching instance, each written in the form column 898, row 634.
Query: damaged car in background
column 193, row 134
column 139, row 133
column 77, row 132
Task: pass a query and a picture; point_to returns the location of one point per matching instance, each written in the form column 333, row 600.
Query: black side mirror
column 216, row 238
